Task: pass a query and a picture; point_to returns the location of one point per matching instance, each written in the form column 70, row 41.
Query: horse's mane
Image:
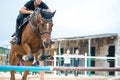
column 45, row 15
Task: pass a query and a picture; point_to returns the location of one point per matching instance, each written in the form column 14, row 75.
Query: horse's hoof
column 52, row 42
column 42, row 57
column 24, row 78
column 28, row 58
column 12, row 78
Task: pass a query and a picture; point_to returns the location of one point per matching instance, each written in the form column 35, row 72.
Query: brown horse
column 36, row 37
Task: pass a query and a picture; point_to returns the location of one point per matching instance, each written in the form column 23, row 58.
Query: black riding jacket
column 30, row 5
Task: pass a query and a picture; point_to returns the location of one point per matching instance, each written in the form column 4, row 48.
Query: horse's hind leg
column 26, row 72
column 13, row 61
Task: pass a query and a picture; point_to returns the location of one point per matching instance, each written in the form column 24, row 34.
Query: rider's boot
column 15, row 39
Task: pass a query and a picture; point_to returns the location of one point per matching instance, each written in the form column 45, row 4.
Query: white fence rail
column 86, row 60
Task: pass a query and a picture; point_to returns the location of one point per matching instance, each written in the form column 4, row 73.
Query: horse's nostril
column 46, row 44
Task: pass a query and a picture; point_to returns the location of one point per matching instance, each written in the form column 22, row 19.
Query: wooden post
column 42, row 72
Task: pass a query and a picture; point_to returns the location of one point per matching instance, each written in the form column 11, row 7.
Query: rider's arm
column 44, row 6
column 24, row 10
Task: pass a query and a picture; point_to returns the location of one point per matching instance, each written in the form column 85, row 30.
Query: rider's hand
column 30, row 12
column 48, row 10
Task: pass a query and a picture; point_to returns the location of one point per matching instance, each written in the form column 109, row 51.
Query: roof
column 86, row 37
column 4, row 48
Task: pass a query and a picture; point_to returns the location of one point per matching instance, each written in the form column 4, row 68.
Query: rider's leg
column 17, row 33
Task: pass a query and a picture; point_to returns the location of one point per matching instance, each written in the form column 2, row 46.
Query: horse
column 35, row 38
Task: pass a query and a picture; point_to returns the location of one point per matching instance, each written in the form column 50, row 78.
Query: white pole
column 55, row 61
column 59, row 59
column 89, row 55
column 85, row 64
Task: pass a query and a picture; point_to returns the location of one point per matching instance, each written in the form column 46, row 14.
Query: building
column 4, row 56
column 106, row 45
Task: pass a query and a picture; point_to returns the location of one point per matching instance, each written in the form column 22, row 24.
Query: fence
column 87, row 58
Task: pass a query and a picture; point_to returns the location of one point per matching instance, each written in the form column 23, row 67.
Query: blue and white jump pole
column 48, row 68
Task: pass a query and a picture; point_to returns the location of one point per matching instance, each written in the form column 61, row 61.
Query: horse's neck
column 32, row 26
column 28, row 33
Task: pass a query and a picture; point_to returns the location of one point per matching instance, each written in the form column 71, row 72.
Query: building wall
column 118, row 52
column 2, row 59
column 101, row 49
column 102, row 62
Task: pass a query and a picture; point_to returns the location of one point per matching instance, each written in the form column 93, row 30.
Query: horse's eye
column 51, row 24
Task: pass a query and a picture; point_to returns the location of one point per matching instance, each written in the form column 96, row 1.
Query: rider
column 26, row 10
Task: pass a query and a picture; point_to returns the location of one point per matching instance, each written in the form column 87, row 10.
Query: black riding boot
column 17, row 27
column 16, row 36
column 19, row 33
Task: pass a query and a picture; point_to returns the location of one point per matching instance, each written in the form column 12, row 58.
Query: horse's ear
column 53, row 13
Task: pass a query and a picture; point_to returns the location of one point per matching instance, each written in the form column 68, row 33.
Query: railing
column 86, row 58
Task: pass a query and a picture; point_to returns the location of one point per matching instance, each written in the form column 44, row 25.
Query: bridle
column 45, row 32
column 36, row 28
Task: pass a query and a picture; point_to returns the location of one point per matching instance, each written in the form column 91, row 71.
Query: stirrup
column 14, row 40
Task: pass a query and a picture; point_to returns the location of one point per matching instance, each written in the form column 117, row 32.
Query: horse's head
column 41, row 22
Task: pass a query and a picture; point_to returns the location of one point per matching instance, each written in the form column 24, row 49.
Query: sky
column 72, row 18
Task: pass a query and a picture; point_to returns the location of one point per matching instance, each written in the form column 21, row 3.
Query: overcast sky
column 73, row 17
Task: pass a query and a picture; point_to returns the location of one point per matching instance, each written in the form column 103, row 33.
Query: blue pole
column 23, row 68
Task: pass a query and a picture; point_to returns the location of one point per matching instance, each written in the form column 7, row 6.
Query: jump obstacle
column 23, row 68
column 41, row 68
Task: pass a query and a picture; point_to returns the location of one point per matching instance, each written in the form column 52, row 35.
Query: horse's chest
column 36, row 45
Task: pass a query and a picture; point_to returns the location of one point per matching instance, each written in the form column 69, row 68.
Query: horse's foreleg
column 12, row 75
column 43, row 56
column 29, row 56
column 13, row 61
column 25, row 75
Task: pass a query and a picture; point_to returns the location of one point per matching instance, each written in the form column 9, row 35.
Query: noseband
column 45, row 32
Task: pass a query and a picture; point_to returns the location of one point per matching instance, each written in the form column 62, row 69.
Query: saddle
column 24, row 22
